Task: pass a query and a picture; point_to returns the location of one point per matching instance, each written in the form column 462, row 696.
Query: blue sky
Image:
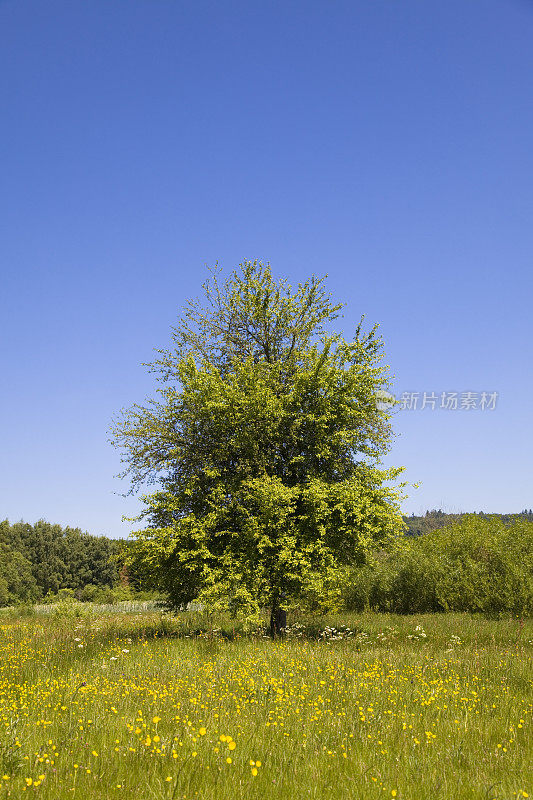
column 385, row 143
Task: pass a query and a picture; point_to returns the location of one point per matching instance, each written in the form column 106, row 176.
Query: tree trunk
column 278, row 621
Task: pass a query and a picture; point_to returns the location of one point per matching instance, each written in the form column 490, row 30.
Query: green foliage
column 71, row 608
column 432, row 520
column 44, row 559
column 265, row 443
column 480, row 563
column 17, row 583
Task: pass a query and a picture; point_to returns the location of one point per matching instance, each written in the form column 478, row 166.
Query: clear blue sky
column 388, row 144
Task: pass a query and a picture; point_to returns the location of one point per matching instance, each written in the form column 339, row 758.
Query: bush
column 71, row 608
column 477, row 564
column 61, row 596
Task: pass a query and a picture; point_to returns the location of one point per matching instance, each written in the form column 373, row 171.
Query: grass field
column 143, row 706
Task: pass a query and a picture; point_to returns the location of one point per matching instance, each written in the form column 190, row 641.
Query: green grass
column 372, row 714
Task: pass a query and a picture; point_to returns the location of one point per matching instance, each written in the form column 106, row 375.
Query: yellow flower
column 254, row 771
column 168, row 778
column 228, row 760
column 232, row 745
column 202, row 731
column 393, row 793
column 257, row 763
column 29, row 781
column 95, row 754
column 155, row 720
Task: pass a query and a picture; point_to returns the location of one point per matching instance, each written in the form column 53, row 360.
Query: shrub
column 476, row 564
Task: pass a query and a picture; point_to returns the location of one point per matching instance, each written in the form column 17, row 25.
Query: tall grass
column 356, row 706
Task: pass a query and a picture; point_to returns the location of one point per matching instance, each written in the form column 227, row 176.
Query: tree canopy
column 41, row 559
column 264, row 443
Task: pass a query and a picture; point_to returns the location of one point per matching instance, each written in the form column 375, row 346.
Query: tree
column 16, row 581
column 61, row 558
column 264, row 442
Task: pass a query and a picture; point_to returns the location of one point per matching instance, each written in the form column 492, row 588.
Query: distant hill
column 439, row 519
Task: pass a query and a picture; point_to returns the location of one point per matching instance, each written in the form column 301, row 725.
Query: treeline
column 37, row 561
column 479, row 563
column 432, row 520
column 446, row 562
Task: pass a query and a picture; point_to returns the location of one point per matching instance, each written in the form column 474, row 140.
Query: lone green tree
column 264, row 448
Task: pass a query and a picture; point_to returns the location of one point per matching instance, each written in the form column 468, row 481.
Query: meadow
column 100, row 705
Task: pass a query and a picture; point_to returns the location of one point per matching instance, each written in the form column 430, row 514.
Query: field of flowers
column 370, row 706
